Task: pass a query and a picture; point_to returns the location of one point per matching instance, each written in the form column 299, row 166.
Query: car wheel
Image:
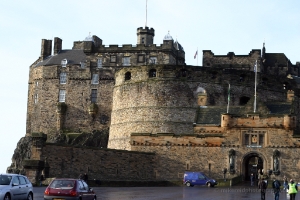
column 29, row 197
column 188, row 184
column 7, row 197
column 208, row 184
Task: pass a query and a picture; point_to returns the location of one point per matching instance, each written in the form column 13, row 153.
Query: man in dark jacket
column 276, row 188
column 262, row 186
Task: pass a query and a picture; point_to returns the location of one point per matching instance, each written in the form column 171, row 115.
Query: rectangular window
column 99, row 63
column 113, row 59
column 82, row 65
column 153, row 60
column 62, row 95
column 94, row 96
column 141, row 58
column 36, row 98
column 95, row 79
column 126, row 61
column 63, row 78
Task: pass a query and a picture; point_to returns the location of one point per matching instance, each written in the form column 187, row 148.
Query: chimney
column 46, row 49
column 57, row 45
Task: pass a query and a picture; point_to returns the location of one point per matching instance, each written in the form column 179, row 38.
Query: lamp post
column 224, row 172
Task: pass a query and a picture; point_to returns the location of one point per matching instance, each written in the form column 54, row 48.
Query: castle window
column 143, row 40
column 126, row 61
column 99, row 63
column 127, row 76
column 63, row 78
column 141, row 58
column 183, row 73
column 82, row 65
column 94, row 96
column 95, row 79
column 36, row 98
column 62, row 96
column 64, row 62
column 113, row 59
column 244, row 100
column 153, row 60
column 152, row 73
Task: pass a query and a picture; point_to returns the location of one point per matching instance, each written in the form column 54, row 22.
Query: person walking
column 41, row 179
column 85, row 177
column 293, row 189
column 276, row 188
column 262, row 186
column 285, row 183
column 252, row 179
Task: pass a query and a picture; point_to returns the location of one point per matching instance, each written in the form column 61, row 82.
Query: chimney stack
column 46, row 49
column 57, row 45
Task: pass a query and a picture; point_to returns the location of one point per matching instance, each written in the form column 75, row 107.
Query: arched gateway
column 252, row 163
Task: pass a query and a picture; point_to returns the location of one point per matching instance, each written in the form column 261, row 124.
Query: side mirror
column 91, row 189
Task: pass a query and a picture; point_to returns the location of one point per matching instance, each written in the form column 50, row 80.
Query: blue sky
column 221, row 26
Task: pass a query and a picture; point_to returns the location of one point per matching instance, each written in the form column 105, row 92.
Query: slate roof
column 272, row 58
column 212, row 114
column 73, row 56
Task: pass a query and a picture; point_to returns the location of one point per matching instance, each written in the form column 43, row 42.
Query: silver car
column 15, row 186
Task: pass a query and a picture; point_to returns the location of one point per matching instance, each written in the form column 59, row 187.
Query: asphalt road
column 176, row 193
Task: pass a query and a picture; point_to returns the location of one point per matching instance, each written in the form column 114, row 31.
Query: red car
column 69, row 189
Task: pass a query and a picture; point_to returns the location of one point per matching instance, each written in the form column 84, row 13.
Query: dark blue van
column 198, row 178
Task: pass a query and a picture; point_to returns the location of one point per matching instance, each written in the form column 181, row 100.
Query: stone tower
column 145, row 35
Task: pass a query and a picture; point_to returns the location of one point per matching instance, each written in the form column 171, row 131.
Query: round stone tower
column 143, row 103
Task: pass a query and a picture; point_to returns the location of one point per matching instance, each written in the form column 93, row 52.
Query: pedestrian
column 252, row 179
column 293, row 189
column 80, row 176
column 85, row 177
column 276, row 188
column 285, row 182
column 262, row 186
column 41, row 179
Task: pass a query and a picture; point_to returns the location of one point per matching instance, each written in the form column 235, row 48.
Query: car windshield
column 62, row 184
column 5, row 179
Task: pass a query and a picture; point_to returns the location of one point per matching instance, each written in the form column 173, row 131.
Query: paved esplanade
column 174, row 193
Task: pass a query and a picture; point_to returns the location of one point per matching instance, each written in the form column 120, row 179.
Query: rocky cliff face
column 97, row 138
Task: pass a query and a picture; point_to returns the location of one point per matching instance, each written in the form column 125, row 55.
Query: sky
column 220, row 26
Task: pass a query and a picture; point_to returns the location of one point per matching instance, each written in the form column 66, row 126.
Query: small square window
column 141, row 58
column 62, row 95
column 95, row 79
column 99, row 63
column 63, row 78
column 64, row 62
column 113, row 59
column 126, row 61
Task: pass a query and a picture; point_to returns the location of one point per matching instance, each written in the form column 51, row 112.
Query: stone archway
column 252, row 163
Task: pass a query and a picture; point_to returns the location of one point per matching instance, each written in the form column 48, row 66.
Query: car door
column 201, row 179
column 24, row 187
column 16, row 189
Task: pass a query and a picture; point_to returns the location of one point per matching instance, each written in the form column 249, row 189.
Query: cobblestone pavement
column 177, row 193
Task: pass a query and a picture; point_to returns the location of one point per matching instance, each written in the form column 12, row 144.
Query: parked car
column 71, row 189
column 15, row 186
column 198, row 178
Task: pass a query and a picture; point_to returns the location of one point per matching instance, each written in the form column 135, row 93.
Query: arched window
column 152, row 73
column 244, row 100
column 127, row 76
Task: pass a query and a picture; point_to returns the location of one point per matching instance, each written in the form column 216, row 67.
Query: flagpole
column 197, row 56
column 228, row 97
column 255, row 86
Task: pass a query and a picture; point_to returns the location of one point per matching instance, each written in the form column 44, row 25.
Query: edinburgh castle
column 139, row 112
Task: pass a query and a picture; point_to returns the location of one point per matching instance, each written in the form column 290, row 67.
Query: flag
column 196, row 54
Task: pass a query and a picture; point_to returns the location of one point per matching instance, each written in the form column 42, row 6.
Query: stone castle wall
column 99, row 164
